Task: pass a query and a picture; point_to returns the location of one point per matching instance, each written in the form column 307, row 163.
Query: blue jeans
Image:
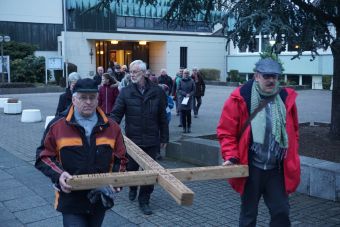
column 83, row 220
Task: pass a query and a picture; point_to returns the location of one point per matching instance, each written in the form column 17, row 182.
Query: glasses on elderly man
column 135, row 71
column 267, row 76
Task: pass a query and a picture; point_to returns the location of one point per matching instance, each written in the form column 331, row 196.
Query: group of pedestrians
column 258, row 127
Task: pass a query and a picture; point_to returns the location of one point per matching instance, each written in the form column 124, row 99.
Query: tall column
column 300, row 79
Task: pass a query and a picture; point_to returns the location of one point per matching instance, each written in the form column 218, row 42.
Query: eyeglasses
column 135, row 71
column 267, row 76
column 84, row 98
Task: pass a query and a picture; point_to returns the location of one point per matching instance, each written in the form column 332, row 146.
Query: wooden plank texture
column 181, row 193
column 147, row 177
column 123, row 179
column 142, row 158
column 209, row 172
column 154, row 173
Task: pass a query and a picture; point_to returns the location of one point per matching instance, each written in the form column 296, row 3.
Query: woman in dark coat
column 65, row 99
column 186, row 89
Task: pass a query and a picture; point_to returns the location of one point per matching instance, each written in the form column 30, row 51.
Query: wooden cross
column 169, row 179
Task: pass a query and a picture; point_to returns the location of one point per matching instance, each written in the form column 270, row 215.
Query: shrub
column 16, row 85
column 29, row 69
column 291, row 82
column 326, row 82
column 19, row 50
column 58, row 74
column 210, row 74
column 234, row 76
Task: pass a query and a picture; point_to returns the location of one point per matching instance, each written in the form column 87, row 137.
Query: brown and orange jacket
column 64, row 147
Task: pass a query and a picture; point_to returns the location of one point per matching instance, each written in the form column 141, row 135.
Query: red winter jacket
column 107, row 98
column 234, row 115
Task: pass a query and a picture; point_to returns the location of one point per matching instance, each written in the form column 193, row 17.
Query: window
column 183, row 58
column 254, row 47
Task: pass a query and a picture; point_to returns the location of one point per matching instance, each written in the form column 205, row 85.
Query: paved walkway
column 26, row 196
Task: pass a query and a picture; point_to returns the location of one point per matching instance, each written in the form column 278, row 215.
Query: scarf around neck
column 278, row 115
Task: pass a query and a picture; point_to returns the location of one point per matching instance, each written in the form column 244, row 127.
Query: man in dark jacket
column 144, row 106
column 82, row 141
column 199, row 90
column 165, row 79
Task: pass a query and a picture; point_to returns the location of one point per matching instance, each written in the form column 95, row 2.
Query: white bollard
column 12, row 108
column 2, row 102
column 31, row 115
column 48, row 119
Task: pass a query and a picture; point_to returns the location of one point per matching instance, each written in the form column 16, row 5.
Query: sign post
column 53, row 63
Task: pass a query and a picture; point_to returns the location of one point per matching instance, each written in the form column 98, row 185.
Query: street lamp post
column 3, row 39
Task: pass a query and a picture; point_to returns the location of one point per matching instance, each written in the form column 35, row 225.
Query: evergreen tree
column 309, row 25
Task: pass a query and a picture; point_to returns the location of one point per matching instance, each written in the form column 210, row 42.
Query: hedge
column 210, row 74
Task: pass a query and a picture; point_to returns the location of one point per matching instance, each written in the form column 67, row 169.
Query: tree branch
column 317, row 12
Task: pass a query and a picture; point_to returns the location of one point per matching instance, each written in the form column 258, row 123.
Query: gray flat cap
column 268, row 66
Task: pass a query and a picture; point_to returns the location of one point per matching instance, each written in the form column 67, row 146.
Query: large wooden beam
column 142, row 158
column 209, row 172
column 154, row 173
column 181, row 193
column 147, row 177
column 123, row 179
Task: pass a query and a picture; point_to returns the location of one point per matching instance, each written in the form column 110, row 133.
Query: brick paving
column 26, row 196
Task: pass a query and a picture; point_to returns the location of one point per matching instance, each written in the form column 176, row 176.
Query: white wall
column 35, row 11
column 203, row 51
column 322, row 65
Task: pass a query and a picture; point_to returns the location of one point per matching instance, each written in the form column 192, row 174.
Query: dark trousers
column 83, row 220
column 178, row 104
column 270, row 185
column 144, row 191
column 186, row 118
column 197, row 101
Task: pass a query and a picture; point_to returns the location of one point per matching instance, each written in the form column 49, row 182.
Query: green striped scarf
column 278, row 111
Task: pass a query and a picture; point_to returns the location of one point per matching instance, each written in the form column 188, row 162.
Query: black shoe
column 195, row 116
column 184, row 130
column 180, row 125
column 189, row 130
column 145, row 208
column 132, row 195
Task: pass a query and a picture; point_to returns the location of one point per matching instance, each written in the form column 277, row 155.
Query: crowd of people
column 258, row 127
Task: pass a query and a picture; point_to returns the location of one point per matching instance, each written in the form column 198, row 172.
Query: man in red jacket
column 268, row 143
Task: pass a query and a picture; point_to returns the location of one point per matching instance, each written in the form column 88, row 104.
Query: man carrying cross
column 259, row 127
column 82, row 140
column 144, row 106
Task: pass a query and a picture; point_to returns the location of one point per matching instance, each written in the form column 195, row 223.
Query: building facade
column 97, row 36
